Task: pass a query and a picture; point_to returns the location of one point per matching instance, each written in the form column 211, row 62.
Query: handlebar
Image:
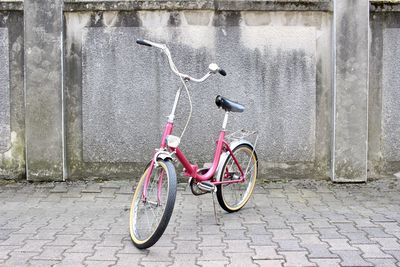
column 213, row 68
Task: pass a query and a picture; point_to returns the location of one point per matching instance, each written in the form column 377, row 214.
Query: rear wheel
column 149, row 218
column 232, row 197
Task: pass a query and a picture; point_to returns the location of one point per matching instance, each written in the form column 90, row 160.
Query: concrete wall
column 278, row 66
column 12, row 111
column 384, row 100
column 95, row 103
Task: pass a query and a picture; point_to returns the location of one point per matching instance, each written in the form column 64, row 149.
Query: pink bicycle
column 232, row 175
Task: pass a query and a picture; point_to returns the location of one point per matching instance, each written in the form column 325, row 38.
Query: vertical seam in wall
column 63, row 148
column 334, row 92
column 26, row 128
column 367, row 111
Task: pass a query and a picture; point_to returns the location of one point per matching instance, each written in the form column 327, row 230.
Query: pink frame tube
column 191, row 170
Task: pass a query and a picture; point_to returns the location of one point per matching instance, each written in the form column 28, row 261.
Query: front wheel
column 232, row 197
column 149, row 217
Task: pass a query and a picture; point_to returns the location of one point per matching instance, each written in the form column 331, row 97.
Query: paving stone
column 261, row 240
column 91, row 234
column 15, row 239
column 184, row 259
column 165, row 241
column 358, row 238
column 372, row 251
column 321, row 223
column 240, row 246
column 346, row 227
column 186, row 234
column 296, row 258
column 212, row 263
column 5, row 250
column 232, row 224
column 51, row 253
column 383, row 262
column 86, row 246
column 5, row 233
column 33, row 245
column 302, row 228
column 129, row 259
column 63, row 240
column 104, row 254
column 276, row 224
column 325, row 226
column 388, row 243
column 326, row 262
column 320, row 251
column 339, row 244
column 44, row 263
column 289, row 245
column 28, row 229
column 352, row 258
column 158, row 254
column 329, row 233
column 282, row 234
column 240, row 259
column 19, row 258
column 390, row 227
column 102, row 263
column 256, row 229
column 107, row 193
column 73, row 259
column 183, row 247
column 111, row 185
column 111, row 240
column 155, row 264
column 361, row 223
column 59, row 188
column 269, row 263
column 212, row 254
column 211, row 241
column 266, row 253
column 375, row 232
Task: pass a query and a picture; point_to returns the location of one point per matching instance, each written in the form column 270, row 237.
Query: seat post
column 225, row 120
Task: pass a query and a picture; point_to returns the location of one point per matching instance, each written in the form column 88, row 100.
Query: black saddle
column 228, row 105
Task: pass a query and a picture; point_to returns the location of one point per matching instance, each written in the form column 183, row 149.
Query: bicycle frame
column 222, row 145
column 191, row 170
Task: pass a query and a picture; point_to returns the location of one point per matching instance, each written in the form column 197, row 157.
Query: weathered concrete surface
column 12, row 112
column 288, row 223
column 391, row 94
column 125, row 103
column 277, row 65
column 216, row 5
column 5, row 129
column 43, row 83
column 383, row 135
column 349, row 160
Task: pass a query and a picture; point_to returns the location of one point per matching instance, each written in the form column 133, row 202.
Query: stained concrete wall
column 93, row 103
column 12, row 112
column 43, row 90
column 384, row 101
column 277, row 64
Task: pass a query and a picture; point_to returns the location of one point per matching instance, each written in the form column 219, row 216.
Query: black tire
column 142, row 236
column 231, row 171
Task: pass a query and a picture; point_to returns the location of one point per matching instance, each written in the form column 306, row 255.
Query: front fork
column 147, row 181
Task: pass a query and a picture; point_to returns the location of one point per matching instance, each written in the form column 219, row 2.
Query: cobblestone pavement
column 287, row 223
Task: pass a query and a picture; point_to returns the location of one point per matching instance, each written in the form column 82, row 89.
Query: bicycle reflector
column 173, row 141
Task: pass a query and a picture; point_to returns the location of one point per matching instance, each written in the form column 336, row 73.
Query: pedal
column 207, row 186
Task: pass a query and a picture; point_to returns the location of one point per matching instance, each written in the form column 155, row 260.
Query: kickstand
column 217, row 222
